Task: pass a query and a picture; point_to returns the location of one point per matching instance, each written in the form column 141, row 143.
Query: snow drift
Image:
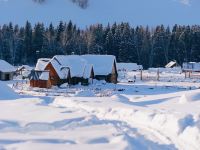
column 189, row 97
column 6, row 92
column 175, row 126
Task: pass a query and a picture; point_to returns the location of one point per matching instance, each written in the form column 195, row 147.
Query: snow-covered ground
column 141, row 115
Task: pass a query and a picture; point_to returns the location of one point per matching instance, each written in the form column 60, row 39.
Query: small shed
column 191, row 67
column 40, row 79
column 171, row 64
column 6, row 71
column 24, row 71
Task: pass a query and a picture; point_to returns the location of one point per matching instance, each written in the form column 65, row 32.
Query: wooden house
column 40, row 79
column 58, row 74
column 75, row 69
column 104, row 67
column 70, row 69
column 6, row 71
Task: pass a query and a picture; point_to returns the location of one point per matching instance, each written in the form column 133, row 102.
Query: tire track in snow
column 127, row 129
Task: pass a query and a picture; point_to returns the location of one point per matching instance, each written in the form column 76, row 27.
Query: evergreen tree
column 28, row 50
column 38, row 42
column 150, row 47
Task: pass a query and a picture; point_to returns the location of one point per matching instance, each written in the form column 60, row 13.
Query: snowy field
column 140, row 115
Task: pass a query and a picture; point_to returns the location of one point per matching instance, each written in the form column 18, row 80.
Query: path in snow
column 166, row 127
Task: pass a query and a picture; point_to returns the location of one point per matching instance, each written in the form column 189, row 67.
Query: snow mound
column 120, row 97
column 6, row 92
column 85, row 94
column 189, row 97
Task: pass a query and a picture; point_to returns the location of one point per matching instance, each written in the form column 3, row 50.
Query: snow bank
column 6, row 92
column 175, row 126
column 192, row 134
column 120, row 98
column 189, row 97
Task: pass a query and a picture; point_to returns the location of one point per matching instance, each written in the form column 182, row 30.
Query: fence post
column 158, row 74
column 185, row 74
column 141, row 74
column 189, row 74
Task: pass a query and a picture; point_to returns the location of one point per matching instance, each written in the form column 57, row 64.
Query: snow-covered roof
column 6, row 67
column 57, row 66
column 79, row 66
column 39, row 75
column 191, row 66
column 42, row 63
column 128, row 66
column 170, row 64
column 25, row 67
column 44, row 76
column 87, row 71
column 102, row 64
column 75, row 63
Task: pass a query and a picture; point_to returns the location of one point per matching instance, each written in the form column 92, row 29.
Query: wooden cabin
column 58, row 75
column 104, row 67
column 6, row 71
column 40, row 79
column 75, row 69
column 70, row 69
column 191, row 67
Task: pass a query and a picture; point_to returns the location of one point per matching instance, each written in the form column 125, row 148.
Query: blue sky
column 137, row 12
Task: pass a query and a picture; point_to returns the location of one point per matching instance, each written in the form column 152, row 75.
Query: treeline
column 151, row 47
